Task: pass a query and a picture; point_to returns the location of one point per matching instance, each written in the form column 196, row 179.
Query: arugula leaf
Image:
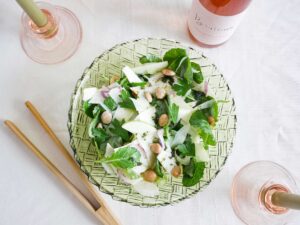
column 100, row 134
column 214, row 111
column 110, row 103
column 173, row 112
column 174, row 54
column 91, row 109
column 161, row 107
column 184, row 69
column 186, row 149
column 149, row 58
column 174, row 65
column 198, row 120
column 197, row 73
column 192, row 173
column 94, row 124
column 158, row 168
column 115, row 128
column 138, row 84
column 181, row 87
column 124, row 82
column 125, row 158
column 115, row 141
column 126, row 101
column 100, row 138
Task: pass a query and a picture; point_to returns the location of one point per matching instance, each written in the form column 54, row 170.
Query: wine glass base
column 58, row 48
column 248, row 186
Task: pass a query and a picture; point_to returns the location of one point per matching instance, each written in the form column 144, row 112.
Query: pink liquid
column 265, row 198
column 225, row 7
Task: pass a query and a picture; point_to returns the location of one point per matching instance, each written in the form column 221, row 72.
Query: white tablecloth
column 261, row 63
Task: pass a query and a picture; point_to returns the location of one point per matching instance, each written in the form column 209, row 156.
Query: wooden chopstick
column 104, row 214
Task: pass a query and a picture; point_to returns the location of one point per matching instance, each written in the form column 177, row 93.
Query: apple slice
column 138, row 127
column 150, row 68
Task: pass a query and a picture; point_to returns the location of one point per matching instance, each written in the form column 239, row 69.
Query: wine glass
column 55, row 42
column 253, row 191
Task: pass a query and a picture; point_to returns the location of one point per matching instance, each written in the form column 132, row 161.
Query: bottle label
column 210, row 28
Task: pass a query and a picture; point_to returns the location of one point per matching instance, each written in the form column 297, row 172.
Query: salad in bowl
column 153, row 121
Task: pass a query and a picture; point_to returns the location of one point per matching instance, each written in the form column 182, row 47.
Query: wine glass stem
column 287, row 200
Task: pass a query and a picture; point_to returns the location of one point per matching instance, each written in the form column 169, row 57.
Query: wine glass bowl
column 252, row 189
column 55, row 42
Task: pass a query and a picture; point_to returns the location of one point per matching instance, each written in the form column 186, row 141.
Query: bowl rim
column 92, row 180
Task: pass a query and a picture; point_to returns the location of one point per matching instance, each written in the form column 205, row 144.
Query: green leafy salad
column 153, row 121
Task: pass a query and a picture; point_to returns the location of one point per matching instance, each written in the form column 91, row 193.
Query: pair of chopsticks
column 102, row 212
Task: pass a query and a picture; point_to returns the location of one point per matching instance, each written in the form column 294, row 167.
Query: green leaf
column 126, row 101
column 173, row 112
column 91, row 109
column 174, row 65
column 115, row 141
column 138, row 84
column 174, row 54
column 186, row 149
column 125, row 158
column 192, row 173
column 158, row 169
column 115, row 128
column 94, row 124
column 149, row 58
column 199, row 121
column 197, row 73
column 99, row 134
column 214, row 111
column 181, row 87
column 161, row 107
column 110, row 103
column 184, row 69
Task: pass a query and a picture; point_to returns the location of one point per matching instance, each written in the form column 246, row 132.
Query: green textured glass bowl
column 98, row 74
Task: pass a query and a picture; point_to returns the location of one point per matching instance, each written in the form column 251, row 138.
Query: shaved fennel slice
column 144, row 142
column 138, row 127
column 146, row 188
column 147, row 116
column 166, row 159
column 123, row 114
column 200, row 153
column 131, row 75
column 205, row 105
column 109, row 168
column 150, row 68
column 115, row 94
column 141, row 104
column 89, row 93
column 180, row 135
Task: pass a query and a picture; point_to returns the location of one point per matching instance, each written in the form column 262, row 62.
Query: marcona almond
column 160, row 93
column 163, row 120
column 149, row 175
column 176, row 171
column 155, row 148
column 168, row 72
column 106, row 117
column 211, row 121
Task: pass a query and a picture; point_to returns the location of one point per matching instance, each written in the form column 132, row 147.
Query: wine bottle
column 212, row 22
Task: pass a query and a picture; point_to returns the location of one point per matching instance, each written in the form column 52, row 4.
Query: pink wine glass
column 55, row 42
column 252, row 191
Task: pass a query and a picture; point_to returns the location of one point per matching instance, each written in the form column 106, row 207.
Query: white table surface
column 261, row 63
